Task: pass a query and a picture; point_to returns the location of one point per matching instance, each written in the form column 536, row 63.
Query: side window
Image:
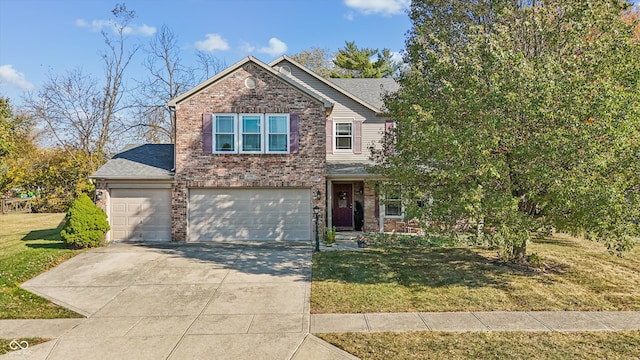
column 277, row 136
column 224, row 130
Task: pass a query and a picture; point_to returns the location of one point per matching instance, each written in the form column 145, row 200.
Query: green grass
column 29, row 245
column 578, row 275
column 489, row 345
column 5, row 343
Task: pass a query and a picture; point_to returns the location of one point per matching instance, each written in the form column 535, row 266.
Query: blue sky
column 39, row 37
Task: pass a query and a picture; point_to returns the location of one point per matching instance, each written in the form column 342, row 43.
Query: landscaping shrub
column 85, row 224
column 387, row 240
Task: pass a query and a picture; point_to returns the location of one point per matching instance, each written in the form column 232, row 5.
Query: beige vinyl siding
column 344, row 107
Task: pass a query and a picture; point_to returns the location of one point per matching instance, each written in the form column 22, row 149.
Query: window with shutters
column 224, row 133
column 252, row 133
column 277, row 133
column 343, row 135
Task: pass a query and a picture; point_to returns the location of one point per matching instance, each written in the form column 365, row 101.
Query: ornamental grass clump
column 85, row 224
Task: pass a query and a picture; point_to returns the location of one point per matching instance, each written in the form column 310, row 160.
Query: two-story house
column 258, row 147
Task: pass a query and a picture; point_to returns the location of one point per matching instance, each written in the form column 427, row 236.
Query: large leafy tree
column 14, row 129
column 518, row 117
column 55, row 174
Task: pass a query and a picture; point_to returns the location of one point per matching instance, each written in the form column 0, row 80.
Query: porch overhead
column 343, row 170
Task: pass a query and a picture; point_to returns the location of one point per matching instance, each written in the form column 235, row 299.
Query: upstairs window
column 225, row 133
column 343, row 136
column 277, row 133
column 253, row 133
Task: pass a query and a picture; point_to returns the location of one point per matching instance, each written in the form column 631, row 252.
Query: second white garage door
column 249, row 214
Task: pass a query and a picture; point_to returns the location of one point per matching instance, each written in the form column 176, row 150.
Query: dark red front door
column 343, row 206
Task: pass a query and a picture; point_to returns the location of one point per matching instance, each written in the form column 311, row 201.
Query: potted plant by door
column 330, row 237
column 363, row 241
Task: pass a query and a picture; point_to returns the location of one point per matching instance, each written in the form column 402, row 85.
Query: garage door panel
column 249, row 214
column 269, row 220
column 220, row 234
column 257, row 194
column 140, row 215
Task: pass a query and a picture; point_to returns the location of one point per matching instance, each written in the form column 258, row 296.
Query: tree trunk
column 480, row 230
column 520, row 252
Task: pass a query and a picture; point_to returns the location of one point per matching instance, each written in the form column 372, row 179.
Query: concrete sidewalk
column 477, row 321
column 185, row 337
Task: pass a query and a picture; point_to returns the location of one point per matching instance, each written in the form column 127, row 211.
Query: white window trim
column 235, row 133
column 336, row 121
column 402, row 210
column 267, row 133
column 264, row 133
column 240, row 133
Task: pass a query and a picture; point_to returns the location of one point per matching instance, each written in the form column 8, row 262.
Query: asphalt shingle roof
column 368, row 90
column 149, row 161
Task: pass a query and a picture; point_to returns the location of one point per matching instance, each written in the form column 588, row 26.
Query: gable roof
column 175, row 101
column 366, row 92
column 149, row 161
column 370, row 90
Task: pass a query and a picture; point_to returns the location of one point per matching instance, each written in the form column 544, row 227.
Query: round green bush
column 85, row 224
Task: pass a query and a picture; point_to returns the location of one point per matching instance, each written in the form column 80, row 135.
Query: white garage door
column 249, row 214
column 140, row 214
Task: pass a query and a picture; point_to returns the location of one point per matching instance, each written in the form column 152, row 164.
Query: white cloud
column 99, row 25
column 349, row 16
column 212, row 43
column 396, row 56
column 144, row 30
column 276, row 47
column 383, row 7
column 246, row 47
column 11, row 77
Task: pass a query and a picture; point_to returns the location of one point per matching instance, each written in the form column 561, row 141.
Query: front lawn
column 578, row 275
column 489, row 345
column 29, row 245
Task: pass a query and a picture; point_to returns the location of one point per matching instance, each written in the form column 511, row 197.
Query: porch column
column 370, row 219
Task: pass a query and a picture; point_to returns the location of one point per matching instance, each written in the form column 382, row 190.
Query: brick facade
column 370, row 214
column 196, row 169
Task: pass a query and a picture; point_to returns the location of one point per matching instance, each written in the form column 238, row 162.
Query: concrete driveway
column 246, row 300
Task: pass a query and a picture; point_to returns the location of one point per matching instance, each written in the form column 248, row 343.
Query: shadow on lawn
column 557, row 241
column 45, row 234
column 416, row 267
column 422, row 266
